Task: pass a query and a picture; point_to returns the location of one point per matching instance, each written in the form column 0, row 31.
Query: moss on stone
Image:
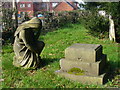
column 76, row 71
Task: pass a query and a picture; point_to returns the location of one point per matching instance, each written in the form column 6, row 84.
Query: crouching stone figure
column 27, row 48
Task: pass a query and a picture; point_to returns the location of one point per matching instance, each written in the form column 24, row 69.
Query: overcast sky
column 80, row 1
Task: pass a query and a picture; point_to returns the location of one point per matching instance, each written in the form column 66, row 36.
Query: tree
column 9, row 24
column 14, row 3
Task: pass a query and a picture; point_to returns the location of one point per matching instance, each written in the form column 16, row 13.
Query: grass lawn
column 56, row 42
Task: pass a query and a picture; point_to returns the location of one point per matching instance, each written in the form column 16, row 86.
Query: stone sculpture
column 111, row 29
column 27, row 48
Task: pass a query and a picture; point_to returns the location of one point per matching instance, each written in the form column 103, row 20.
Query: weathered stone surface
column 84, row 52
column 26, row 46
column 93, row 69
column 84, row 63
column 85, row 79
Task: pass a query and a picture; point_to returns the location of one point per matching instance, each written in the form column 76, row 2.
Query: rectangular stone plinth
column 93, row 69
column 84, row 52
column 85, row 79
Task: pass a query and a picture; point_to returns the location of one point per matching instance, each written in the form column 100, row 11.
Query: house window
column 28, row 5
column 22, row 5
column 44, row 5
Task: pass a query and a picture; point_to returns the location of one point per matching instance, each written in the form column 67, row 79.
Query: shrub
column 97, row 25
column 7, row 21
column 8, row 25
column 58, row 19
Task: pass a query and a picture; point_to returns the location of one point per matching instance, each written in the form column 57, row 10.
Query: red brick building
column 32, row 7
column 25, row 7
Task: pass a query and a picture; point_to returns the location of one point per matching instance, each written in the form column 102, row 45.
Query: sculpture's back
column 26, row 46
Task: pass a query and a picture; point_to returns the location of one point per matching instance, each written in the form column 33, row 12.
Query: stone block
column 84, row 52
column 94, row 69
column 85, row 79
column 86, row 62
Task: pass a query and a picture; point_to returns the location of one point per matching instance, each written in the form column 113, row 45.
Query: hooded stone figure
column 27, row 48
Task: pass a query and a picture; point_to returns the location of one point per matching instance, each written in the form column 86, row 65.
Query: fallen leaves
column 1, row 80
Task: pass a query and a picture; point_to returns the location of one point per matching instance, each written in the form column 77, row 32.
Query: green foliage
column 8, row 25
column 92, row 6
column 112, row 8
column 115, row 12
column 7, row 21
column 97, row 25
column 57, row 20
column 56, row 42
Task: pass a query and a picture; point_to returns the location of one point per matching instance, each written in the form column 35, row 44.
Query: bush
column 8, row 25
column 97, row 25
column 56, row 20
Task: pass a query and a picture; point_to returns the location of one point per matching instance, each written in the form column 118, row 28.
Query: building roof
column 68, row 2
column 72, row 5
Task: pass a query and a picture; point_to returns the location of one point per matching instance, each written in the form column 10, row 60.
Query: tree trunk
column 15, row 17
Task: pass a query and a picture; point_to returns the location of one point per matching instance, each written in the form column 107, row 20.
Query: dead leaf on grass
column 1, row 80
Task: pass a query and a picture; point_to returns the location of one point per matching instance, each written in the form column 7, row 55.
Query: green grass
column 56, row 43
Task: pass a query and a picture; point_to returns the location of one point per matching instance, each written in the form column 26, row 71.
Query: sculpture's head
column 33, row 23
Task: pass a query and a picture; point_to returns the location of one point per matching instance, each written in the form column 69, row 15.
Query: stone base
column 85, row 79
column 93, row 69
